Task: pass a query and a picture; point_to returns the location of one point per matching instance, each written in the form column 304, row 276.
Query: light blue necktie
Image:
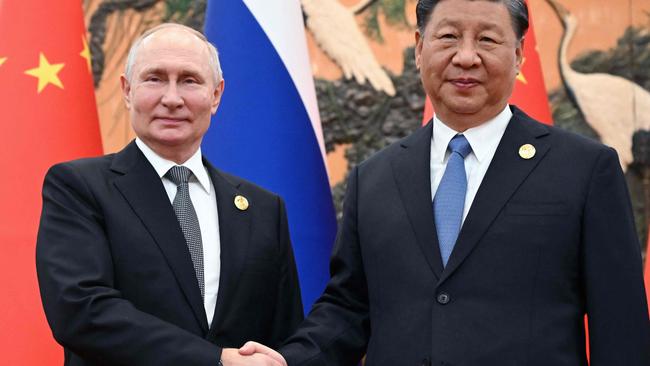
column 449, row 202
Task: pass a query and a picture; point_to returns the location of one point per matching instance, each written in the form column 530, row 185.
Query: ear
column 218, row 92
column 418, row 48
column 126, row 90
column 519, row 54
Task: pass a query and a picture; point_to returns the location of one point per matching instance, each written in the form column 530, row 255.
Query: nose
column 171, row 97
column 466, row 55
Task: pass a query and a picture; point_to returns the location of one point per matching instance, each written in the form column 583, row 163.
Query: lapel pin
column 527, row 151
column 241, row 203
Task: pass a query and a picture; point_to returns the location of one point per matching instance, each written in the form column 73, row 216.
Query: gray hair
column 213, row 59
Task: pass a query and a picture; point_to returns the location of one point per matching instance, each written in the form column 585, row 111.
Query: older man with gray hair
column 151, row 256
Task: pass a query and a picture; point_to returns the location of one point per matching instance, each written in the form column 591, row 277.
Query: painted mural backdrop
column 595, row 58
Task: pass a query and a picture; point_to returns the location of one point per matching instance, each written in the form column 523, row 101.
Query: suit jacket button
column 425, row 362
column 443, row 298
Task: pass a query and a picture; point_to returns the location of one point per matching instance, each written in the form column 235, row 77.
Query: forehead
column 471, row 13
column 172, row 47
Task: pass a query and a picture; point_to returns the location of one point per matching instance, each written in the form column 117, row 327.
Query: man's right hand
column 254, row 348
column 233, row 357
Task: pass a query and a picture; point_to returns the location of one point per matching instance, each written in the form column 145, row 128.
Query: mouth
column 169, row 120
column 464, row 83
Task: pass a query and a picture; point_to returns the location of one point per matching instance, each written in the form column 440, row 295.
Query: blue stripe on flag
column 262, row 132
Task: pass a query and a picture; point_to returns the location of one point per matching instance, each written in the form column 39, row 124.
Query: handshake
column 252, row 354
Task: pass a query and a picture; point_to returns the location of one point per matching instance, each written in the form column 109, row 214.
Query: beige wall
column 600, row 24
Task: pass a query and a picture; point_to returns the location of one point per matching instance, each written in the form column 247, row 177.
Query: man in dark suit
column 485, row 237
column 151, row 256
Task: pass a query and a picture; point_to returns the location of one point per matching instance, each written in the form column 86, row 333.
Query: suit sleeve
column 288, row 308
column 337, row 328
column 619, row 330
column 85, row 311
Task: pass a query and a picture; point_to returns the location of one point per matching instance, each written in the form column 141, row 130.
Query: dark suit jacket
column 546, row 240
column 117, row 280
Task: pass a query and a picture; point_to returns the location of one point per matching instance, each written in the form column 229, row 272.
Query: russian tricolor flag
column 267, row 128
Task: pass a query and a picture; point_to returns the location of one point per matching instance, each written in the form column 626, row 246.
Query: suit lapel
column 234, row 236
column 411, row 170
column 506, row 173
column 143, row 190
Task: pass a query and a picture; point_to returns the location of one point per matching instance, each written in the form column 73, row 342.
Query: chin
column 467, row 108
column 173, row 140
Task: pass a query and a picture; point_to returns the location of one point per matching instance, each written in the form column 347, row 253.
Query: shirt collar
column 482, row 138
column 162, row 165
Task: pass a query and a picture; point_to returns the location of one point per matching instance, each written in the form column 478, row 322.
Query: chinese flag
column 647, row 271
column 529, row 93
column 48, row 115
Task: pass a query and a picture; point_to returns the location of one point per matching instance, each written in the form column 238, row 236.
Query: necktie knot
column 460, row 145
column 179, row 174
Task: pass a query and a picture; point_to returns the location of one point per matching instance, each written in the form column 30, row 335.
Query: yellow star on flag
column 2, row 60
column 46, row 73
column 520, row 75
column 85, row 53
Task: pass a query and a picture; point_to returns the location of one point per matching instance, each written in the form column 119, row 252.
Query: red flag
column 529, row 93
column 48, row 115
column 647, row 270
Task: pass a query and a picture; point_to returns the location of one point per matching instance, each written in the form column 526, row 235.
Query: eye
column 152, row 78
column 490, row 38
column 191, row 80
column 447, row 36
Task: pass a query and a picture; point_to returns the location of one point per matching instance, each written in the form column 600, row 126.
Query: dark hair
column 517, row 8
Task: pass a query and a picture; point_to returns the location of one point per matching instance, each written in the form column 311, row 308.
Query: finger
column 248, row 349
column 274, row 355
column 260, row 359
column 251, row 348
column 277, row 358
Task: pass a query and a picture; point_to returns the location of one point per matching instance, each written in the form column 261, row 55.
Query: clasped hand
column 252, row 354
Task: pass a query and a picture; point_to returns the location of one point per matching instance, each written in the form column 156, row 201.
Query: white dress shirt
column 483, row 139
column 204, row 200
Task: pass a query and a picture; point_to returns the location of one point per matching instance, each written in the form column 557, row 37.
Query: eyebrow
column 446, row 22
column 160, row 70
column 483, row 25
column 151, row 70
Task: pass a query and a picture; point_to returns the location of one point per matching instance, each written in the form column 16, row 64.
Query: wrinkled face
column 468, row 57
column 171, row 95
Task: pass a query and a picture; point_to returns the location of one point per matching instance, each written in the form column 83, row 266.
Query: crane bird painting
column 337, row 33
column 613, row 106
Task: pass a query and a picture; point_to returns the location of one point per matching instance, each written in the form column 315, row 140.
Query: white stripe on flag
column 283, row 25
